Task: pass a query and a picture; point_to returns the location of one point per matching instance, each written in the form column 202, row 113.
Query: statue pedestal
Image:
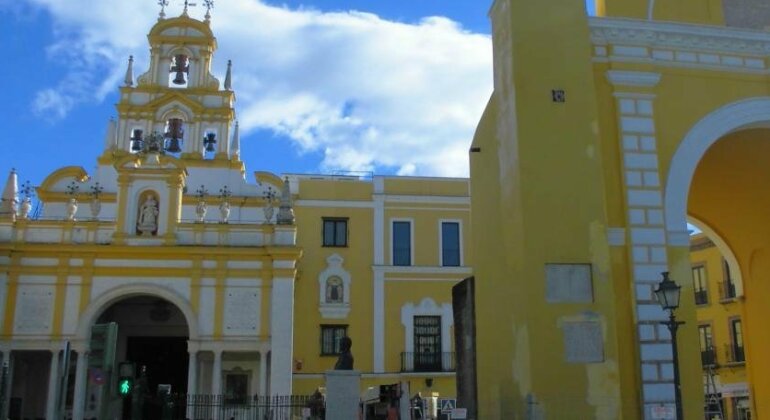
column 343, row 389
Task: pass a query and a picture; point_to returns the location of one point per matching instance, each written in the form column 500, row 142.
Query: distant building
column 719, row 309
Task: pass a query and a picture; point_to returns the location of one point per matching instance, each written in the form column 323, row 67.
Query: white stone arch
column 733, row 117
column 725, row 250
column 114, row 295
column 334, row 269
column 174, row 109
column 427, row 307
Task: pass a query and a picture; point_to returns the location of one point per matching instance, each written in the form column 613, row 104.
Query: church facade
column 217, row 282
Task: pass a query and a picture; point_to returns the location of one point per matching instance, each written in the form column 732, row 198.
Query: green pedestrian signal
column 124, row 386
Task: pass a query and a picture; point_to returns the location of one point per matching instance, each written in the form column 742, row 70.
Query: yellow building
column 602, row 137
column 719, row 310
column 219, row 282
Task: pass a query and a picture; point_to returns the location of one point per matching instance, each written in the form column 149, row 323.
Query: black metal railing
column 205, row 407
column 701, row 297
column 727, row 290
column 428, row 362
column 708, row 357
column 735, row 354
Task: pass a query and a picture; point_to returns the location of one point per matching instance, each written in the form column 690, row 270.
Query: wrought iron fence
column 222, row 407
column 726, row 290
column 708, row 357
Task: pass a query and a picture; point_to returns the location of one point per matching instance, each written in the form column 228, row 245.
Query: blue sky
column 391, row 86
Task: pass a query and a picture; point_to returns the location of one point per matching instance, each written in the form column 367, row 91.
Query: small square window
column 335, row 232
column 330, row 339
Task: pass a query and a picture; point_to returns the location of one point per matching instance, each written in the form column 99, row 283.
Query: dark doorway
column 166, row 360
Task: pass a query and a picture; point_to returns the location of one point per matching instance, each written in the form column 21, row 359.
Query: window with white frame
column 402, row 242
column 427, row 339
column 450, row 244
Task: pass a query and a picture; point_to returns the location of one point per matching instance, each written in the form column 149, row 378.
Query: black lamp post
column 668, row 293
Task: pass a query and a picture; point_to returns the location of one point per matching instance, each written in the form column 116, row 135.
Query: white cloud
column 369, row 93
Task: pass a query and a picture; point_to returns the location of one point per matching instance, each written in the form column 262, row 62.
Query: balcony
column 428, row 362
column 726, row 290
column 735, row 354
column 701, row 297
column 708, row 357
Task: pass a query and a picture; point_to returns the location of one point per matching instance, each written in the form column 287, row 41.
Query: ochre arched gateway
column 602, row 136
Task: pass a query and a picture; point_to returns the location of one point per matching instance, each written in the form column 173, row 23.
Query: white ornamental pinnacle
column 129, row 79
column 229, row 76
column 285, row 210
column 110, row 140
column 9, row 200
column 235, row 147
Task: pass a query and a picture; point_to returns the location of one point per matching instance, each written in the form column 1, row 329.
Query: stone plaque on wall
column 568, row 283
column 34, row 310
column 583, row 342
column 242, row 306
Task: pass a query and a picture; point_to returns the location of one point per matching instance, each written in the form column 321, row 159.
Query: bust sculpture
column 345, row 360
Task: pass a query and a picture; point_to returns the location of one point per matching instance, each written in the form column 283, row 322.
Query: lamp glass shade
column 668, row 293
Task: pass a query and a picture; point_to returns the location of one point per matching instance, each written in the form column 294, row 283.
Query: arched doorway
column 718, row 178
column 152, row 334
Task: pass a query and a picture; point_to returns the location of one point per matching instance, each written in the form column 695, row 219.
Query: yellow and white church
column 220, row 282
column 604, row 136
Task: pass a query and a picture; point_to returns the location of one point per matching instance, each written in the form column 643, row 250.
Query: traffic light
column 125, row 385
column 126, row 375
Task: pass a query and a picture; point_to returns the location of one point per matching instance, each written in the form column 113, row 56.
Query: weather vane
column 162, row 4
column 186, row 4
column 209, row 5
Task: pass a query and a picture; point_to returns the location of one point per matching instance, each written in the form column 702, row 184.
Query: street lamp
column 668, row 293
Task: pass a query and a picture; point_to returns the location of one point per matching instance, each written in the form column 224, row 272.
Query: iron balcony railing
column 428, row 362
column 708, row 357
column 726, row 290
column 735, row 354
column 701, row 297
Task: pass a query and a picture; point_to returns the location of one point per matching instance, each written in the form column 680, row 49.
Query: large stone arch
column 732, row 117
column 104, row 301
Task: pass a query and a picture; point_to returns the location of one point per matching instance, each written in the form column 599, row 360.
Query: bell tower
column 177, row 106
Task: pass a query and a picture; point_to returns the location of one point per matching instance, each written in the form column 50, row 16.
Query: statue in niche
column 148, row 217
column 345, row 361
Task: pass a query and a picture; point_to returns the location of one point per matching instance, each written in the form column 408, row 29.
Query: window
column 236, row 387
column 427, row 343
column 402, row 243
column 699, row 283
column 707, row 355
column 736, row 342
column 728, row 286
column 335, row 232
column 450, row 244
column 335, row 290
column 330, row 339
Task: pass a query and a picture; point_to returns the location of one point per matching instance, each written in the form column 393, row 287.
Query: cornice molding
column 633, row 78
column 679, row 36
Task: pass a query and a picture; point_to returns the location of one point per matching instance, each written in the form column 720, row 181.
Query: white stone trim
column 335, row 204
column 633, row 78
column 427, row 199
column 441, row 240
column 692, row 148
column 379, row 322
column 334, row 269
column 422, row 269
column 427, row 307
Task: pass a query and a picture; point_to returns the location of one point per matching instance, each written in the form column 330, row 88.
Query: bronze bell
column 180, row 67
column 136, row 141
column 209, row 141
column 172, row 146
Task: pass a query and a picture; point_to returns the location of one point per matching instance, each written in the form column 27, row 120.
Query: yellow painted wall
column 695, row 11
